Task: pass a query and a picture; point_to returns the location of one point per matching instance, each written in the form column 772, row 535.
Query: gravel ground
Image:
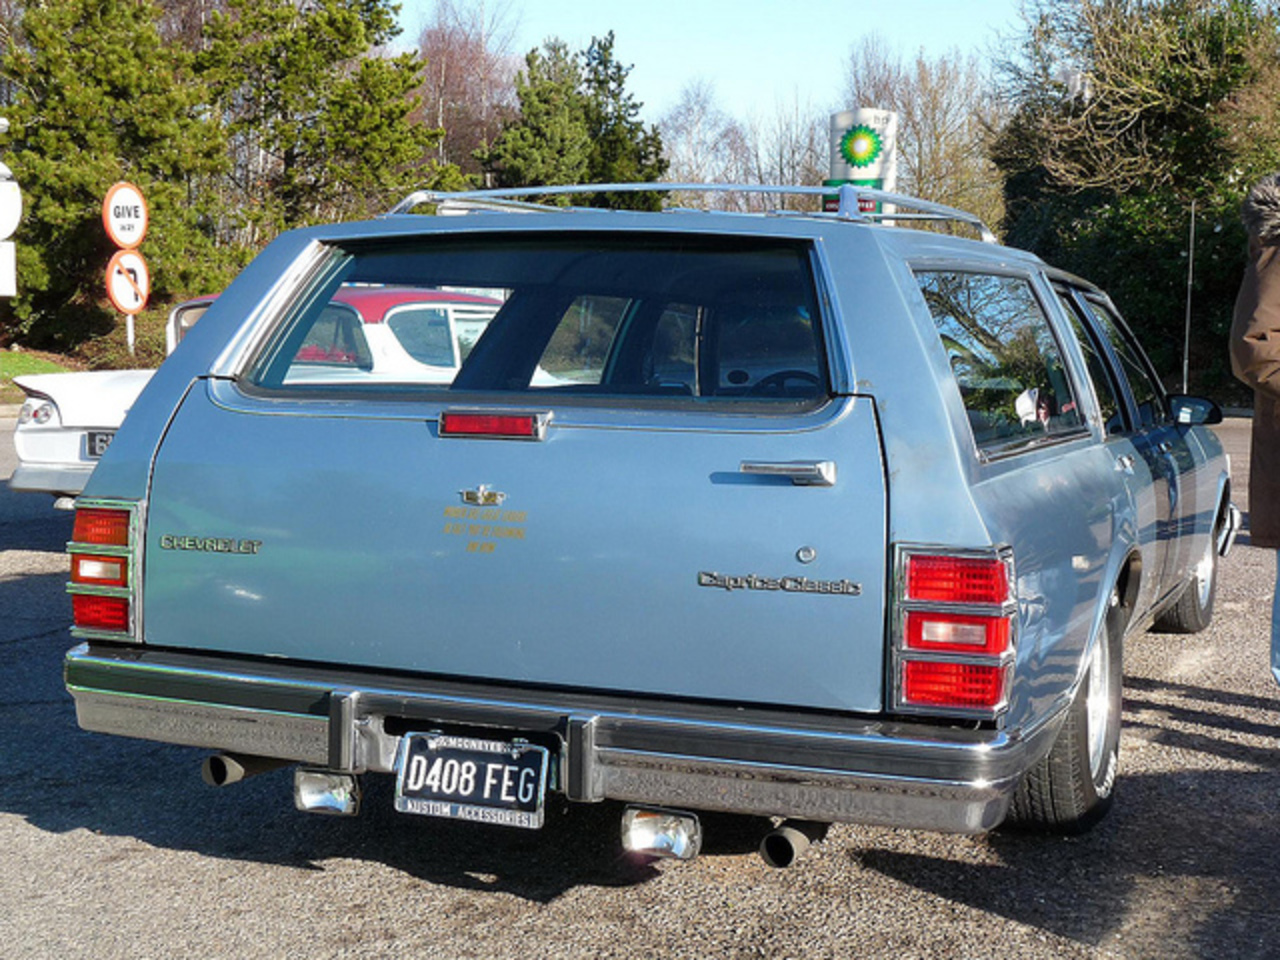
column 114, row 848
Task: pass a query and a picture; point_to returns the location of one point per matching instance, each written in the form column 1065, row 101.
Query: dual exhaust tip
column 676, row 834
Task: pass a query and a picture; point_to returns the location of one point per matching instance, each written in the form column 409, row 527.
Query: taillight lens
column 955, row 644
column 965, row 685
column 509, row 426
column 102, row 526
column 104, row 571
column 956, row 633
column 100, row 613
column 101, row 551
column 957, row 579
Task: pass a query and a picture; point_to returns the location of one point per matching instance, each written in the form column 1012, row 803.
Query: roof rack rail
column 508, row 198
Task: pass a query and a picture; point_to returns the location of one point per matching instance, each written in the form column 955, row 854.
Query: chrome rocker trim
column 706, row 757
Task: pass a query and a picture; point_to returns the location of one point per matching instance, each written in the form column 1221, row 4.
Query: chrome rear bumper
column 702, row 757
column 65, row 479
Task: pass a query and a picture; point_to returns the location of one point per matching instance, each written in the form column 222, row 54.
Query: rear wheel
column 1071, row 789
column 1194, row 610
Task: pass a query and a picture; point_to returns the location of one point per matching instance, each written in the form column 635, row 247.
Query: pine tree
column 577, row 124
column 320, row 126
column 98, row 98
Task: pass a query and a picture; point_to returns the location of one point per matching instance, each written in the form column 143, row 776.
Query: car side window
column 424, row 333
column 1005, row 358
column 1104, row 384
column 334, row 339
column 1147, row 392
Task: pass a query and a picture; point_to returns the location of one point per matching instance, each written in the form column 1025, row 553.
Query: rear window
column 679, row 319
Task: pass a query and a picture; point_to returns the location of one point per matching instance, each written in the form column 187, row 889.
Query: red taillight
column 100, row 613
column 957, row 579
column 955, row 645
column 965, row 685
column 101, row 526
column 101, row 562
column 511, row 426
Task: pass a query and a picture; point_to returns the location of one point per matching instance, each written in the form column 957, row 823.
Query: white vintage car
column 69, row 419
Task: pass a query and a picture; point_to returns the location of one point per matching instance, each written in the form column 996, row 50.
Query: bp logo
column 861, row 146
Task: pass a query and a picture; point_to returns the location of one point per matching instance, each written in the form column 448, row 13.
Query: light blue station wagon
column 810, row 516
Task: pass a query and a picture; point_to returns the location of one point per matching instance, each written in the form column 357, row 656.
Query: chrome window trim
column 569, row 413
column 249, row 337
column 249, row 348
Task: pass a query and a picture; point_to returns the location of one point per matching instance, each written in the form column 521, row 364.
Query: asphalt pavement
column 115, row 848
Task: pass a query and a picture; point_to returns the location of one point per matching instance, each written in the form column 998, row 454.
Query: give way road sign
column 128, row 281
column 124, row 215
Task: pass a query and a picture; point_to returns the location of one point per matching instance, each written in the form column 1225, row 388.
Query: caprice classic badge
column 844, row 588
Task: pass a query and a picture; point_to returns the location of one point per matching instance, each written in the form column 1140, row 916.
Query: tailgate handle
column 803, row 473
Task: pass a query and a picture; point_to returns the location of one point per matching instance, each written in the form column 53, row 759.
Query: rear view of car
column 800, row 516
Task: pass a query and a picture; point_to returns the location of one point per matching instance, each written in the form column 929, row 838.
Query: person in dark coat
column 1255, row 359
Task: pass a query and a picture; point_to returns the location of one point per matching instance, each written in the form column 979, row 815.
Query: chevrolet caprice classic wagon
column 808, row 516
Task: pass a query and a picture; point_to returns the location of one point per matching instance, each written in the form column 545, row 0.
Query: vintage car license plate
column 97, row 441
column 469, row 779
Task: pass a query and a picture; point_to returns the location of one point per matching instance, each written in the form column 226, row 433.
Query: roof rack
column 508, row 198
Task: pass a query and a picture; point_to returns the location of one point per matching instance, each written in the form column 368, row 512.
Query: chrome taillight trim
column 132, row 553
column 900, row 654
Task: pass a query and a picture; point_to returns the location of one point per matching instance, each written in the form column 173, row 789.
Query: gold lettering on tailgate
column 484, row 527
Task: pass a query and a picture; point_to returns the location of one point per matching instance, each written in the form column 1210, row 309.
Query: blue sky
column 758, row 53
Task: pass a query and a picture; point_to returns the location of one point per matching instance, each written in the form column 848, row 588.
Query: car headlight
column 37, row 410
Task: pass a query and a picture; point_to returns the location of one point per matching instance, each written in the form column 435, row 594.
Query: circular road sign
column 128, row 281
column 124, row 214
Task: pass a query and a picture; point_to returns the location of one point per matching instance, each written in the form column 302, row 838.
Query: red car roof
column 373, row 303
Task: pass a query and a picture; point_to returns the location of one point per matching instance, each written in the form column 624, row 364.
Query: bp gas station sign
column 864, row 151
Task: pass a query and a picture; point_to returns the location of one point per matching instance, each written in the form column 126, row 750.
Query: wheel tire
column 1071, row 789
column 1193, row 610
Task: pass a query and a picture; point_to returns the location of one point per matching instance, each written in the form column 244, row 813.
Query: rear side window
column 1004, row 355
column 684, row 319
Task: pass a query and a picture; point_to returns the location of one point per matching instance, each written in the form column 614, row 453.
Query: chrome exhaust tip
column 782, row 847
column 223, row 769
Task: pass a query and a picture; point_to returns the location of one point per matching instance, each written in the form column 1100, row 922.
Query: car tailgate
column 636, row 558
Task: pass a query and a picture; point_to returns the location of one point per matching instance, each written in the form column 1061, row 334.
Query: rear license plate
column 462, row 778
column 97, row 441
